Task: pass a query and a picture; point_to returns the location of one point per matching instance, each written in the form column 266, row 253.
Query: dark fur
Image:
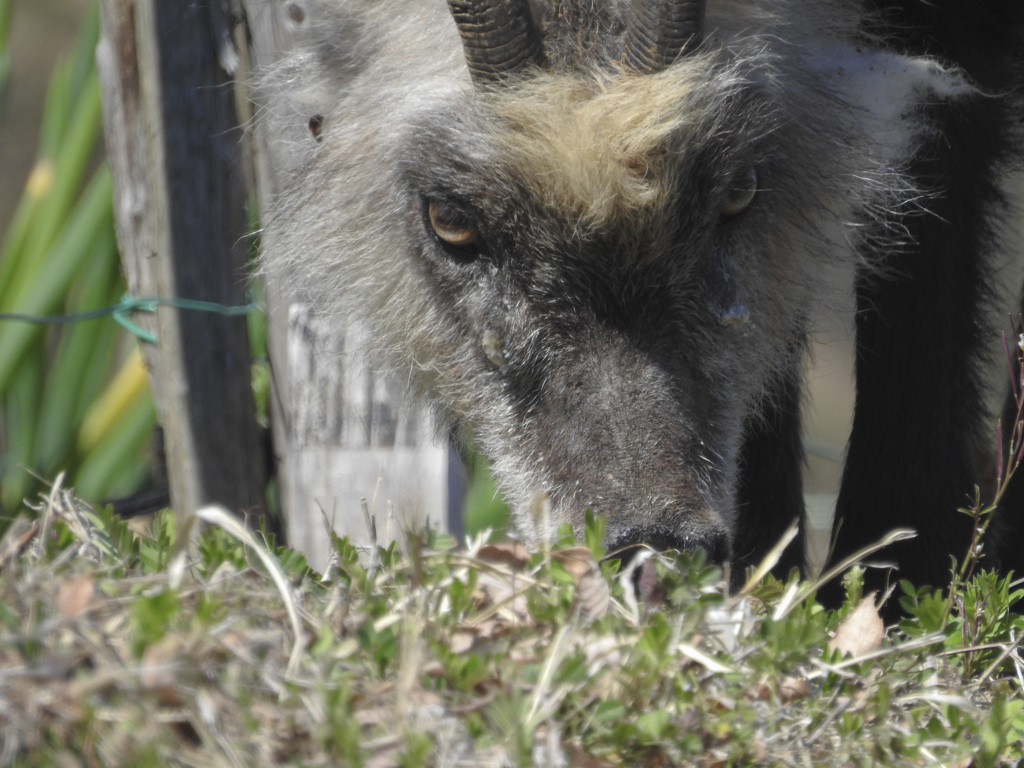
column 922, row 438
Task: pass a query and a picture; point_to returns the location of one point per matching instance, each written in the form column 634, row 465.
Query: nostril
column 626, row 544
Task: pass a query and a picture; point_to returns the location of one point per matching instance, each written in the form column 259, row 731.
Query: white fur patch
column 886, row 90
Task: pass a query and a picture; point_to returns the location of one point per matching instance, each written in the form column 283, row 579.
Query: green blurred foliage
column 73, row 397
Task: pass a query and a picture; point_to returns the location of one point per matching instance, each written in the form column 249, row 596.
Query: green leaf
column 652, row 726
column 1002, row 727
column 20, row 411
column 6, row 6
column 82, row 361
column 113, row 467
column 50, row 198
column 151, row 617
column 90, row 220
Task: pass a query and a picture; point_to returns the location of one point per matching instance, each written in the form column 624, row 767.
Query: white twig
column 217, row 515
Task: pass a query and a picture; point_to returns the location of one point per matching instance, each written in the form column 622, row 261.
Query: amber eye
column 741, row 195
column 452, row 225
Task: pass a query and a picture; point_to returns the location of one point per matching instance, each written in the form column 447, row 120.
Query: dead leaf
column 466, row 638
column 372, row 716
column 759, row 692
column 165, row 667
column 74, row 594
column 461, row 641
column 793, row 689
column 19, row 536
column 501, row 594
column 790, row 689
column 594, row 594
column 576, row 560
column 510, row 553
column 861, row 632
column 592, row 590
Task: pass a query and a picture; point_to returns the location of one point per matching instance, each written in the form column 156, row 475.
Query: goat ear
column 498, row 37
column 660, row 31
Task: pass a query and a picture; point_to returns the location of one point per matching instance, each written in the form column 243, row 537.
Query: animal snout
column 626, row 543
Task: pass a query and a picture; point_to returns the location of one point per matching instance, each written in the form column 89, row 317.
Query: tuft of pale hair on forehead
column 595, row 146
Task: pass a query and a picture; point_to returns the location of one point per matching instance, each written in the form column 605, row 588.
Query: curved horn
column 498, row 36
column 660, row 31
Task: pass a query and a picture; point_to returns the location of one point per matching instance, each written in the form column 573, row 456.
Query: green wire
column 128, row 304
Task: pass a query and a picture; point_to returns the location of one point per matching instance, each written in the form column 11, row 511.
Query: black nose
column 625, row 544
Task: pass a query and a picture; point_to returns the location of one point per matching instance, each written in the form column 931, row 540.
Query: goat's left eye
column 741, row 195
column 452, row 225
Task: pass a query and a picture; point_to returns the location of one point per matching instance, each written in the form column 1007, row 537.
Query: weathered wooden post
column 174, row 146
column 342, row 433
column 343, row 437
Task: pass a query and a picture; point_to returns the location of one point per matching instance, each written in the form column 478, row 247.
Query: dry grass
column 422, row 655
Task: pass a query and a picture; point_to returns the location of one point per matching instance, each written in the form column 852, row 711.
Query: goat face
column 599, row 266
column 618, row 285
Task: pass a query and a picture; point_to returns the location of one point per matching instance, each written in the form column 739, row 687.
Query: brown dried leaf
column 592, row 590
column 74, row 594
column 375, row 716
column 18, row 537
column 790, row 689
column 386, row 756
column 578, row 758
column 502, row 595
column 594, row 594
column 861, row 632
column 467, row 637
column 576, row 560
column 164, row 667
column 759, row 692
column 461, row 641
column 510, row 553
column 793, row 689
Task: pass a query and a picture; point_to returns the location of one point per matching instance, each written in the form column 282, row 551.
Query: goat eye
column 741, row 195
column 452, row 225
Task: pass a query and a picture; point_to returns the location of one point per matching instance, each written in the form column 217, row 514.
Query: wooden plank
column 342, row 432
column 353, row 440
column 173, row 144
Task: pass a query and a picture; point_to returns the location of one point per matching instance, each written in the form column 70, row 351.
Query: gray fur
column 602, row 355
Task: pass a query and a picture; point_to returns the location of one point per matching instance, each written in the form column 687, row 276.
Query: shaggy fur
column 618, row 337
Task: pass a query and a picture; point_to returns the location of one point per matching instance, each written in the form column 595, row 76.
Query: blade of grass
column 91, row 218
column 11, row 254
column 125, row 387
column 70, row 164
column 81, row 363
column 68, row 86
column 82, row 63
column 20, row 409
column 220, row 516
column 800, row 591
column 771, row 559
column 108, row 341
column 51, row 194
column 6, row 7
column 112, row 467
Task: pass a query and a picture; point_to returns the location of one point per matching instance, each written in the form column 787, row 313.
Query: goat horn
column 498, row 36
column 660, row 31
